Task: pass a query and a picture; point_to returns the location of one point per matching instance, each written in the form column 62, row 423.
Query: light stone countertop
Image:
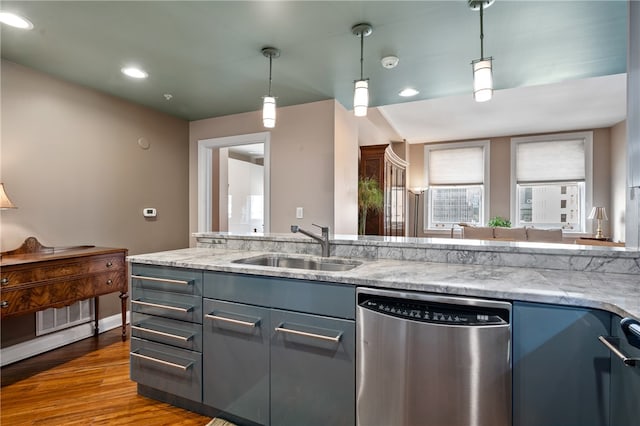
column 618, row 293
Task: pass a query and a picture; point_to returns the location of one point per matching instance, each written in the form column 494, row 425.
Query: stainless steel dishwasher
column 427, row 360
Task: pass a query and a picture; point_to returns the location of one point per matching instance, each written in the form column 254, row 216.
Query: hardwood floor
column 85, row 383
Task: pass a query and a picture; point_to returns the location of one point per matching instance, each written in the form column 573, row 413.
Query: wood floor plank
column 85, row 383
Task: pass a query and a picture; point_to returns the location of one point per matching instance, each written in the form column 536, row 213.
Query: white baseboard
column 24, row 350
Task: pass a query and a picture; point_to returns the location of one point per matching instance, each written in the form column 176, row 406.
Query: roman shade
column 550, row 161
column 456, row 166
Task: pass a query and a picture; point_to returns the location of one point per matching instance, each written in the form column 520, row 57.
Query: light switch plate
column 149, row 212
column 299, row 213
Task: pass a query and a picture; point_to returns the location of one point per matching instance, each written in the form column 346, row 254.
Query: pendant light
column 482, row 68
column 269, row 102
column 361, row 92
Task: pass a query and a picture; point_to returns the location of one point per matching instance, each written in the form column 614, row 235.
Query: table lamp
column 5, row 202
column 600, row 214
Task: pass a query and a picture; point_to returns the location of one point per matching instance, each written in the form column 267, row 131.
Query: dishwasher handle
column 631, row 329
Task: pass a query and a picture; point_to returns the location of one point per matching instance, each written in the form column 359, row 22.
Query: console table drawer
column 33, row 297
column 169, row 369
column 65, row 268
column 186, row 335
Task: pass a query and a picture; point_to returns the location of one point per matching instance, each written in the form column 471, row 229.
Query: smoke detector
column 389, row 62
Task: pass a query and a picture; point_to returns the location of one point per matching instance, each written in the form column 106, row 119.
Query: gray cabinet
column 561, row 372
column 625, row 382
column 279, row 351
column 166, row 330
column 236, row 367
column 312, row 370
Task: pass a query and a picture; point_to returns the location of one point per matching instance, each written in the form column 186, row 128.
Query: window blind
column 551, row 161
column 456, row 166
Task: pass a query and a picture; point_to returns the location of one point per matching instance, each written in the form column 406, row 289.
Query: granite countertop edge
column 612, row 292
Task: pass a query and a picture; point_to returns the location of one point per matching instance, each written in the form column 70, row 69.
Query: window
column 457, row 184
column 551, row 180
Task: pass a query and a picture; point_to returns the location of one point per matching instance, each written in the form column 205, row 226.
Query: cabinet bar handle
column 628, row 361
column 157, row 305
column 234, row 321
column 161, row 333
column 159, row 361
column 335, row 339
column 161, row 280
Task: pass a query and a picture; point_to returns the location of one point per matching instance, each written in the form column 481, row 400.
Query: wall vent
column 54, row 319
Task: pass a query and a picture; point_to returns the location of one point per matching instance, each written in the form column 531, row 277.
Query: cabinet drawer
column 182, row 307
column 169, row 369
column 186, row 335
column 175, row 280
column 331, row 299
column 22, row 274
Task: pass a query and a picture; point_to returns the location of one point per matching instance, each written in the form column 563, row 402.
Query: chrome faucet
column 323, row 240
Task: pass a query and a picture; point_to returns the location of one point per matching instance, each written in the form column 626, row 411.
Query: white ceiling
column 571, row 105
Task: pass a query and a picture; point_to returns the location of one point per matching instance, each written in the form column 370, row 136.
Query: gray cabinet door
column 312, row 376
column 561, row 371
column 236, row 359
column 625, row 382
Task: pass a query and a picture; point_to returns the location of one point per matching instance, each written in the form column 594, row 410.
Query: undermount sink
column 287, row 261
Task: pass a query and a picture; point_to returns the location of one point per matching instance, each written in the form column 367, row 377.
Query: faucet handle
column 323, row 228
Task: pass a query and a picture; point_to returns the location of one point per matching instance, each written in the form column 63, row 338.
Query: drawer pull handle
column 4, row 304
column 109, row 264
column 628, row 361
column 5, row 281
column 335, row 339
column 233, row 321
column 157, row 305
column 109, row 281
column 161, row 333
column 159, row 361
column 161, row 280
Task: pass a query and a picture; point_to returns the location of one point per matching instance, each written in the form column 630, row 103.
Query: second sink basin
column 287, row 261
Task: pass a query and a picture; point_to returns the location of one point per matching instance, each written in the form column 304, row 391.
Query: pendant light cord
column 270, row 62
column 481, row 33
column 362, row 55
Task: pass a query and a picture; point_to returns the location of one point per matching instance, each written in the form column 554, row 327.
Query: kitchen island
column 276, row 345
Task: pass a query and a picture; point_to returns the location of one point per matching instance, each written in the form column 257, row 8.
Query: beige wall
column 500, row 177
column 302, row 160
column 71, row 163
column 345, row 172
column 618, row 166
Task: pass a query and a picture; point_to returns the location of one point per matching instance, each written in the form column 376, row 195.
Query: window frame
column 587, row 137
column 484, row 211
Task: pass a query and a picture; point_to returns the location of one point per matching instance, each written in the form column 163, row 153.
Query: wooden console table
column 34, row 277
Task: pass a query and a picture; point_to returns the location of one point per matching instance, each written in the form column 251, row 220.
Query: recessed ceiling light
column 408, row 92
column 134, row 72
column 15, row 20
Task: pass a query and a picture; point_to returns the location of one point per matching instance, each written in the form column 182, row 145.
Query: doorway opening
column 238, row 195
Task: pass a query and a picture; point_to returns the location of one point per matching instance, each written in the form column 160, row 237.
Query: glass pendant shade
column 361, row 98
column 482, row 80
column 269, row 112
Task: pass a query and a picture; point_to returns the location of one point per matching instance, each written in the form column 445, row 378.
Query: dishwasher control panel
column 439, row 313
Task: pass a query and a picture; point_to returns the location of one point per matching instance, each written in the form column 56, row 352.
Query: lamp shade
column 269, row 112
column 482, row 80
column 361, row 98
column 5, row 202
column 599, row 213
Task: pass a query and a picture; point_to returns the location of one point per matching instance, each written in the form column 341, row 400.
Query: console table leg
column 123, row 301
column 96, row 311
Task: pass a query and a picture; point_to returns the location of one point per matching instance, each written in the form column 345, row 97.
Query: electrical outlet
column 299, row 213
